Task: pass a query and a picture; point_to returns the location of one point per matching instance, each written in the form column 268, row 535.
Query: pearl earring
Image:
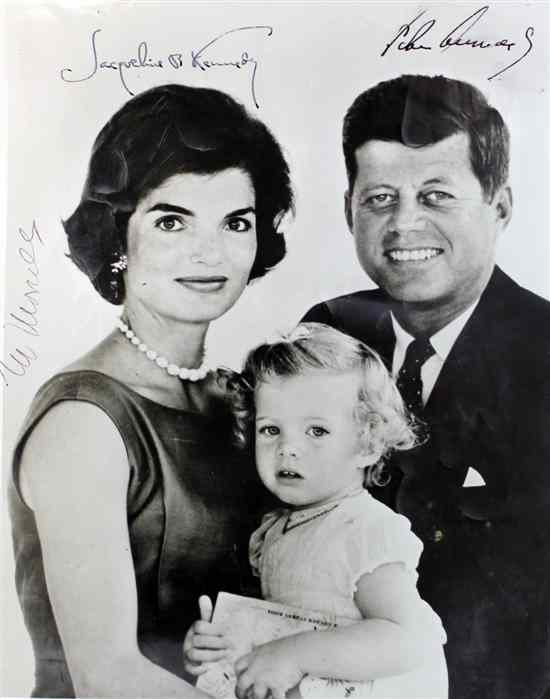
column 120, row 265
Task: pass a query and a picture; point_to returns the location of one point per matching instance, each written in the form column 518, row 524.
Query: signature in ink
column 201, row 58
column 411, row 37
column 141, row 60
column 25, row 318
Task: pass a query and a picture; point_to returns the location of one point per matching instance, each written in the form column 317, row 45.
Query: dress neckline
column 128, row 389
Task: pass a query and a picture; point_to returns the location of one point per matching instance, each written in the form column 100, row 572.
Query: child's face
column 307, row 441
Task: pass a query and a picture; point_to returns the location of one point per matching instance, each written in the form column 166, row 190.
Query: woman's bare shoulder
column 74, row 442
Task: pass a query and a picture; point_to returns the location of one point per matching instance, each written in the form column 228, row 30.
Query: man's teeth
column 289, row 474
column 408, row 255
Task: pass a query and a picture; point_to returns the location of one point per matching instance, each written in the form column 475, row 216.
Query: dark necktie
column 409, row 381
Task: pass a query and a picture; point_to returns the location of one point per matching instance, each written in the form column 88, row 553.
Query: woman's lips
column 204, row 285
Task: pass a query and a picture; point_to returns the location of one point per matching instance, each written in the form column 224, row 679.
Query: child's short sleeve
column 386, row 539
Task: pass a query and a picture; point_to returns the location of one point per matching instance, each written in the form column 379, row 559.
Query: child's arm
column 392, row 639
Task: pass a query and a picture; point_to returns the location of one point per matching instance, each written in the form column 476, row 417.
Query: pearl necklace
column 173, row 369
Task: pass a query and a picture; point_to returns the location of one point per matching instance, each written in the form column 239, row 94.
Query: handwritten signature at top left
column 202, row 59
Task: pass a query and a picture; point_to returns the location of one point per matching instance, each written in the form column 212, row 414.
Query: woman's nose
column 207, row 248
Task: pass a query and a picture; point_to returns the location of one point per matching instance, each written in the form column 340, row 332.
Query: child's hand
column 269, row 669
column 205, row 642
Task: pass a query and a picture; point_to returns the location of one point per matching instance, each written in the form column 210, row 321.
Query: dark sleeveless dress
column 192, row 502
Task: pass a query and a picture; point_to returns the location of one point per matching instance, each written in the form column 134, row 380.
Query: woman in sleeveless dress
column 127, row 498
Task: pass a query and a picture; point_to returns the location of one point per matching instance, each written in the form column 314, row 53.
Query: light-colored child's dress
column 313, row 558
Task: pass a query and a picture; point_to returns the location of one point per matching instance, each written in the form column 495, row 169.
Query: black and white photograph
column 275, row 363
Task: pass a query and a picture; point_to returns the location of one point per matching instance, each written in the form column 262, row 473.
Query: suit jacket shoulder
column 362, row 314
column 511, row 327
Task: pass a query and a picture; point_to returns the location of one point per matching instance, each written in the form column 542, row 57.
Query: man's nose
column 406, row 214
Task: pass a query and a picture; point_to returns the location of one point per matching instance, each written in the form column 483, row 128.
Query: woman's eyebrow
column 161, row 206
column 242, row 212
column 170, row 207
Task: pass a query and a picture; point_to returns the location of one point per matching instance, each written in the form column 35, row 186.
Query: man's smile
column 412, row 254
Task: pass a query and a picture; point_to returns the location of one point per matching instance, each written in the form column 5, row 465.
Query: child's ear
column 368, row 455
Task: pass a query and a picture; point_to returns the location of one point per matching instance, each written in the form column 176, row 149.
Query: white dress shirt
column 442, row 342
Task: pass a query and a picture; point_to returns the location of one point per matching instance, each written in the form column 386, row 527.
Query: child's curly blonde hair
column 383, row 422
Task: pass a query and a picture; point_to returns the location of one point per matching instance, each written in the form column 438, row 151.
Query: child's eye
column 317, row 431
column 170, row 224
column 239, row 225
column 269, row 430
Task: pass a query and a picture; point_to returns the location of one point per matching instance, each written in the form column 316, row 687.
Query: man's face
column 423, row 228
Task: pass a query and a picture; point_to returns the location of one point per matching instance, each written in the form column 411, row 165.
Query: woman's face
column 191, row 245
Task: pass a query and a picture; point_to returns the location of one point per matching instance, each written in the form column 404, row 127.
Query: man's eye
column 239, row 225
column 269, row 430
column 316, row 431
column 379, row 201
column 437, row 197
column 170, row 224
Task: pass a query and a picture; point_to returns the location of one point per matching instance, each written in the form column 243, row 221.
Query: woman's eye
column 239, row 225
column 170, row 224
column 269, row 430
column 316, row 431
column 437, row 197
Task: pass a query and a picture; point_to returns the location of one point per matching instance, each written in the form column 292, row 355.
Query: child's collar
column 296, row 518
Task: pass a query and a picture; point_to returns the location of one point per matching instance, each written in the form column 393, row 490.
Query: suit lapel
column 463, row 405
column 386, row 339
column 467, row 377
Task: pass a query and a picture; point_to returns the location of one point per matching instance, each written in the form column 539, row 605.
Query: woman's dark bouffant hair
column 165, row 131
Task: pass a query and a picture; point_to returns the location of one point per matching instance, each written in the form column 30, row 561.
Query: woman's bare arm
column 75, row 473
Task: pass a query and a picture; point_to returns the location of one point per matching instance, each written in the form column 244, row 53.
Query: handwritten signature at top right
column 412, row 36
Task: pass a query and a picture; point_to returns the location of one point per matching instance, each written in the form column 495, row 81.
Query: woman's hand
column 270, row 669
column 205, row 642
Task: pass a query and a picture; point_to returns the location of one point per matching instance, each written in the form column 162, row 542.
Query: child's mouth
column 284, row 473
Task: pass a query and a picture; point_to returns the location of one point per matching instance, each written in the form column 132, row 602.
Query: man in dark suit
column 427, row 164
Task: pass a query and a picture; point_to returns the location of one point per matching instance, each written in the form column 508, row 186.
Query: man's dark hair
column 418, row 110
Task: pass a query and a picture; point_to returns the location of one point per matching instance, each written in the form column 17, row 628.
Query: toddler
column 324, row 413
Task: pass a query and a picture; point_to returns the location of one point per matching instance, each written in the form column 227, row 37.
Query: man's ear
column 503, row 206
column 347, row 209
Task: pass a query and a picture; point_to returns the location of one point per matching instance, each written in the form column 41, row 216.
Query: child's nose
column 288, row 448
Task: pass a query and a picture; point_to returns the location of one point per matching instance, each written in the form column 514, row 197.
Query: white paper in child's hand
column 473, row 478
